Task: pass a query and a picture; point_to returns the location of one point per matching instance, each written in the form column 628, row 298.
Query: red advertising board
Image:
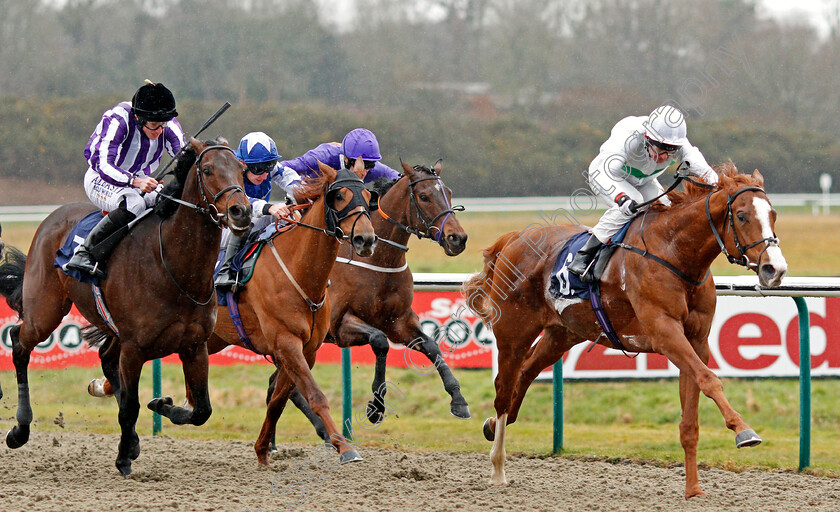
column 751, row 337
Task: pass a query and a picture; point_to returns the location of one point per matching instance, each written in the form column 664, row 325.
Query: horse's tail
column 12, row 265
column 477, row 288
column 95, row 336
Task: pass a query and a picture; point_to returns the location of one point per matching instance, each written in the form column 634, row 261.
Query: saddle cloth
column 74, row 239
column 564, row 284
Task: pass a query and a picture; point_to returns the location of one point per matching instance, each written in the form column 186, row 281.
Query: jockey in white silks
column 624, row 172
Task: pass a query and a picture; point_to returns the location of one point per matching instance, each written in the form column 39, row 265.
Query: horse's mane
column 383, row 185
column 166, row 207
column 692, row 192
column 311, row 188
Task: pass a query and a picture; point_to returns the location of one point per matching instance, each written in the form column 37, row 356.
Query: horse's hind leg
column 551, row 347
column 131, row 365
column 195, row 364
column 19, row 434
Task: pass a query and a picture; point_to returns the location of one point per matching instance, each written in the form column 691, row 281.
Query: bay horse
column 159, row 290
column 371, row 298
column 284, row 308
column 652, row 307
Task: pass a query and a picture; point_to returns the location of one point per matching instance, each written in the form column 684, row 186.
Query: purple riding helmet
column 361, row 143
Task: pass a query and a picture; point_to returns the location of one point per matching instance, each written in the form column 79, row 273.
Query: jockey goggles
column 260, row 168
column 368, row 163
column 662, row 146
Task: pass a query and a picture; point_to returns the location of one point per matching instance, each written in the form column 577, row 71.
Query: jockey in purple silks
column 624, row 172
column 122, row 153
column 263, row 168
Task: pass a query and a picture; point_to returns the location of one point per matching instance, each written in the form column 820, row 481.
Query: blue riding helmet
column 361, row 143
column 257, row 148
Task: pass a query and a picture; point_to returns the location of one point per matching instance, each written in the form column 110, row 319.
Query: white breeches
column 606, row 187
column 108, row 197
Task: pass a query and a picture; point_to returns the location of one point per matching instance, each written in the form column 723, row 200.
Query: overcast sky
column 812, row 10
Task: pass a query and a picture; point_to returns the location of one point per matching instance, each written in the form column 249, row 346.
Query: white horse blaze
column 774, row 253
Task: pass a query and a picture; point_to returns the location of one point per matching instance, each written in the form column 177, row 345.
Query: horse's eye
column 338, row 197
column 206, row 171
column 742, row 217
column 424, row 197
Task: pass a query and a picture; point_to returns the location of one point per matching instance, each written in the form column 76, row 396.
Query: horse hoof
column 157, row 404
column 134, row 452
column 124, row 468
column 272, row 448
column 96, row 387
column 350, row 456
column 374, row 416
column 17, row 436
column 460, row 411
column 488, row 432
column 747, row 438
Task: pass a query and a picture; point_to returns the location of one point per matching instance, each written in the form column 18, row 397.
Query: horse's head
column 749, row 230
column 346, row 203
column 430, row 208
column 220, row 186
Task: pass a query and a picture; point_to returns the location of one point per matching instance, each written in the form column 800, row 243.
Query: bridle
column 743, row 260
column 209, row 209
column 430, row 230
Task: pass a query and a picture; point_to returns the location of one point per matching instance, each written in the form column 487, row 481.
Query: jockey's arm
column 694, row 162
column 381, row 170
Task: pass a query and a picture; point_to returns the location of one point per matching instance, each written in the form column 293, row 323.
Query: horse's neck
column 309, row 254
column 689, row 234
column 190, row 240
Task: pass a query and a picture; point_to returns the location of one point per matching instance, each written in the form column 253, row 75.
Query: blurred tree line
column 515, row 95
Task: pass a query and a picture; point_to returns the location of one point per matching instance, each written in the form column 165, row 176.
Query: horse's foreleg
column 672, row 343
column 690, row 433
column 297, row 366
column 420, row 342
column 131, row 365
column 195, row 364
column 354, row 332
column 301, row 403
column 280, row 387
column 109, row 357
column 19, row 434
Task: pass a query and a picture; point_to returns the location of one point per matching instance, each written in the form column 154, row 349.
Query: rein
column 215, row 218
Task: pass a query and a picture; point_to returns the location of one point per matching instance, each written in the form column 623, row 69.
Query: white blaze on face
column 774, row 253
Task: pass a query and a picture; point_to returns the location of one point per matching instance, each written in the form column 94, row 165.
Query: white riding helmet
column 665, row 128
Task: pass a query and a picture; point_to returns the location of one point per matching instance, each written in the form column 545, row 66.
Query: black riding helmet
column 154, row 102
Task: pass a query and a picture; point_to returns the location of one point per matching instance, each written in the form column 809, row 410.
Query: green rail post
column 156, row 425
column 346, row 394
column 804, row 384
column 558, row 405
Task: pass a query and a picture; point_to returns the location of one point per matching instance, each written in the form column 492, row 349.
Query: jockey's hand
column 278, row 211
column 144, row 183
column 626, row 205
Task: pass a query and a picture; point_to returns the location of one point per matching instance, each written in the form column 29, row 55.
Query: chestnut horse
column 281, row 306
column 652, row 307
column 371, row 297
column 159, row 291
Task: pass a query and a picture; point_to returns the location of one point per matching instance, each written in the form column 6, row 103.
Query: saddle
column 564, row 284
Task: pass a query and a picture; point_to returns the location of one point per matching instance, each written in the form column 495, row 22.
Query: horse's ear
column 406, row 168
column 758, row 178
column 438, row 166
column 359, row 168
column 223, row 141
column 327, row 171
column 196, row 144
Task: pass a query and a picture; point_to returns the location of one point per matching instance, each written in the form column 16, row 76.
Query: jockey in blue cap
column 259, row 154
column 124, row 150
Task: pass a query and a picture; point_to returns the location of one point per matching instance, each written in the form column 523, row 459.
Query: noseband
column 743, row 260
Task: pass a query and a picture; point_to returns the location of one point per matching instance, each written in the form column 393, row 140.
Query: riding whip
column 162, row 172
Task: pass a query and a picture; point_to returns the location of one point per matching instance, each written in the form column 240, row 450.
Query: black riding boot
column 83, row 260
column 584, row 257
column 227, row 277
